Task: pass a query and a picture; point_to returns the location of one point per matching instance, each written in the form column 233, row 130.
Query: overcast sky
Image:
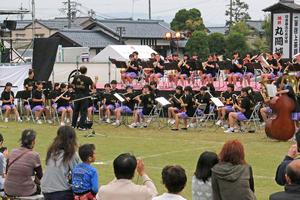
column 213, row 11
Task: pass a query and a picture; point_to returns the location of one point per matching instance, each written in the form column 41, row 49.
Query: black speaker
column 10, row 24
column 5, row 57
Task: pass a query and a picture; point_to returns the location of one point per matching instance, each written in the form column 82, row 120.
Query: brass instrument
column 175, row 98
column 266, row 68
column 155, row 64
column 182, row 103
column 204, row 64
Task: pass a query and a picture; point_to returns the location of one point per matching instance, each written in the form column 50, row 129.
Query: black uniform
column 82, row 86
column 63, row 102
column 28, row 81
column 36, row 94
column 158, row 70
column 235, row 68
column 6, row 96
column 147, row 103
column 190, row 101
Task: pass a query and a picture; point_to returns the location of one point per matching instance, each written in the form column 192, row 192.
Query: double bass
column 281, row 127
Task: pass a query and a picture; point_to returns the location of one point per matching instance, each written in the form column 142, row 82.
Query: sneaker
column 230, row 130
column 191, row 125
column 219, row 123
column 28, row 119
column 68, row 121
column 20, row 120
column 39, row 121
column 225, row 127
column 169, row 121
column 6, row 120
column 133, row 125
column 49, row 121
column 62, row 123
column 262, row 124
column 173, row 122
column 184, row 129
column 81, row 129
column 116, row 123
column 108, row 121
column 174, row 129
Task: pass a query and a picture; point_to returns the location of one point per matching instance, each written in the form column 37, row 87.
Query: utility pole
column 69, row 14
column 33, row 18
column 231, row 13
column 149, row 9
column 21, row 15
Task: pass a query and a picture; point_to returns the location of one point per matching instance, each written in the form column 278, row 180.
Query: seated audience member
column 8, row 106
column 174, row 179
column 232, row 177
column 84, row 176
column 123, row 188
column 22, row 164
column 3, row 158
column 292, row 187
column 201, row 183
column 291, row 155
column 61, row 159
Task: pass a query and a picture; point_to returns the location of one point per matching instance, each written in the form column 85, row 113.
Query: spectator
column 3, row 157
column 22, row 164
column 292, row 188
column 123, row 187
column 201, row 183
column 291, row 155
column 61, row 158
column 84, row 176
column 232, row 178
column 174, row 179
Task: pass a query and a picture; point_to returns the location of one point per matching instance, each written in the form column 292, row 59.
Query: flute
column 60, row 96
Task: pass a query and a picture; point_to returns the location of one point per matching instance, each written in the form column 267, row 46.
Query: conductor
column 82, row 84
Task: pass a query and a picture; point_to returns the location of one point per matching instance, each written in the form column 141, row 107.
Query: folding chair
column 254, row 117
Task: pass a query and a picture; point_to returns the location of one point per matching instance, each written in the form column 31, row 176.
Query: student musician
column 184, row 68
column 108, row 103
column 63, row 105
column 27, row 100
column 176, row 104
column 242, row 109
column 126, row 107
column 272, row 65
column 147, row 101
column 158, row 65
column 54, row 94
column 8, row 106
column 92, row 108
column 247, row 62
column 154, row 89
column 237, row 71
column 114, row 86
column 38, row 104
column 210, row 70
column 195, row 68
column 277, row 69
column 30, row 79
column 188, row 105
column 226, row 97
column 203, row 98
column 173, row 75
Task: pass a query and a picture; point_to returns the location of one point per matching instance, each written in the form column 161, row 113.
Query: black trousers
column 80, row 107
column 62, row 195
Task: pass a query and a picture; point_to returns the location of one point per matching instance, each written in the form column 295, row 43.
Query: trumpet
column 175, row 98
column 266, row 68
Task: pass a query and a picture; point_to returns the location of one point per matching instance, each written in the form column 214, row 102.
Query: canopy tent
column 122, row 52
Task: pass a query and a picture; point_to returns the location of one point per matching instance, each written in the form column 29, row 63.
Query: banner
column 296, row 34
column 281, row 34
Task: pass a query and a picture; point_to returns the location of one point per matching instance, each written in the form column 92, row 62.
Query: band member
column 185, row 69
column 109, row 103
column 176, row 104
column 154, row 89
column 53, row 94
column 92, row 107
column 242, row 110
column 236, row 72
column 63, row 104
column 203, row 98
column 226, row 97
column 158, row 65
column 38, row 104
column 27, row 100
column 132, row 70
column 30, row 79
column 188, row 105
column 277, row 69
column 173, row 74
column 272, row 65
column 114, row 86
column 196, row 70
column 7, row 98
column 127, row 107
column 247, row 62
column 210, row 70
column 82, row 85
column 146, row 100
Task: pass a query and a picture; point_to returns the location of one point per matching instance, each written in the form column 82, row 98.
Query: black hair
column 113, row 82
column 27, row 138
column 131, row 56
column 148, row 86
column 205, row 163
column 154, row 83
column 107, row 85
column 85, row 151
column 179, row 88
column 30, row 71
column 8, row 84
column 188, row 88
column 297, row 135
column 211, row 87
column 230, row 85
column 56, row 84
column 39, row 83
column 250, row 93
column 2, row 149
column 124, row 166
column 135, row 52
column 1, row 138
column 294, row 174
column 203, row 88
column 174, row 178
column 83, row 69
column 63, row 85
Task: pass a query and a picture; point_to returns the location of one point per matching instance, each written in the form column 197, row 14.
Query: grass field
column 160, row 147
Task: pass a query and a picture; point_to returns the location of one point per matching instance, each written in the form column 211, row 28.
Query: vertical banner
column 296, row 34
column 281, row 34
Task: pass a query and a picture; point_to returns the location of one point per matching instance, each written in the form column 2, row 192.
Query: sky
column 213, row 11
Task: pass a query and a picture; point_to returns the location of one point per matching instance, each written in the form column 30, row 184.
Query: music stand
column 161, row 103
column 122, row 99
column 20, row 95
column 218, row 103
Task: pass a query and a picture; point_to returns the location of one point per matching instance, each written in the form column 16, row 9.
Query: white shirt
column 168, row 196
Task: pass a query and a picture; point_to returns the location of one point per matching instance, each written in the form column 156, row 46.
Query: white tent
column 122, row 52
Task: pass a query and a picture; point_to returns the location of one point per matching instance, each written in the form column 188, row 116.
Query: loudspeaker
column 5, row 57
column 10, row 24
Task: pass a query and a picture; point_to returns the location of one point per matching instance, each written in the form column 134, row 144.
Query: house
column 136, row 32
column 95, row 40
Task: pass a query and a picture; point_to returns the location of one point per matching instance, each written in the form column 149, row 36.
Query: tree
column 216, row 43
column 198, row 43
column 237, row 12
column 241, row 27
column 267, row 27
column 236, row 42
column 188, row 20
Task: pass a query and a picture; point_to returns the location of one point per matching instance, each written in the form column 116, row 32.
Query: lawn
column 160, row 147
